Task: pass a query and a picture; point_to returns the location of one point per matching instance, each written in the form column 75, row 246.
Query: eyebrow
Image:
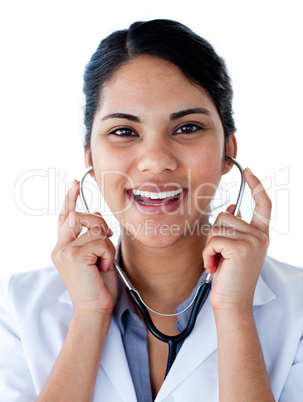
column 173, row 116
column 182, row 113
column 122, row 116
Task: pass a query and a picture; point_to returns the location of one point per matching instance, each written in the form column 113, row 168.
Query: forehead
column 150, row 81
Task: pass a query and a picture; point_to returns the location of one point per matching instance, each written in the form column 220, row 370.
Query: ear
column 88, row 161
column 231, row 148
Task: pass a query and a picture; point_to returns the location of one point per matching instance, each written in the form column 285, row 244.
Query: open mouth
column 156, row 199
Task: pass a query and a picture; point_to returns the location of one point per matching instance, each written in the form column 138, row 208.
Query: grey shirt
column 134, row 336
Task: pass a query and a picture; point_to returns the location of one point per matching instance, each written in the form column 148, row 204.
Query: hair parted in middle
column 169, row 40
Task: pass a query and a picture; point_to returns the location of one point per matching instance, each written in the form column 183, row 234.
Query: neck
column 164, row 276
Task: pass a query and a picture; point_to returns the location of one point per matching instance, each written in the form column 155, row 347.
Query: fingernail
column 76, row 183
column 106, row 230
column 109, row 232
column 249, row 171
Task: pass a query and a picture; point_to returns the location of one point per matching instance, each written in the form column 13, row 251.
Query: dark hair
column 169, row 40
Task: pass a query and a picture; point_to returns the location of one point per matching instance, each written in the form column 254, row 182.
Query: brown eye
column 187, row 129
column 124, row 132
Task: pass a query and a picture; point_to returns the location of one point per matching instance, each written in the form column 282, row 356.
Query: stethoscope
column 198, row 300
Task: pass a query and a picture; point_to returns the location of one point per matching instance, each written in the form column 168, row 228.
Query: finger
column 69, row 204
column 103, row 240
column 233, row 223
column 107, row 229
column 94, row 222
column 74, row 223
column 98, row 253
column 216, row 246
column 223, row 231
column 262, row 211
column 90, row 236
column 231, row 210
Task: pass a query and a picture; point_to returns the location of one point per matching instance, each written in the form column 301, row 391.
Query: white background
column 44, row 48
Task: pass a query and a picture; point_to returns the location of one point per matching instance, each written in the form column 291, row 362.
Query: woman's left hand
column 242, row 248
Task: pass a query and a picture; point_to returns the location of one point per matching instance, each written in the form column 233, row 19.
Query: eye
column 187, row 129
column 124, row 132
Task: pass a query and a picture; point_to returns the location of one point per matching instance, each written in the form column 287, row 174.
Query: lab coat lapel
column 114, row 363
column 263, row 293
column 201, row 343
column 113, row 360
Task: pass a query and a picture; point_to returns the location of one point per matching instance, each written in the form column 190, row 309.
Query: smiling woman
column 159, row 124
column 168, row 125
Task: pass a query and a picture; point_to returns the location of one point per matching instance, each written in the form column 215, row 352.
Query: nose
column 157, row 157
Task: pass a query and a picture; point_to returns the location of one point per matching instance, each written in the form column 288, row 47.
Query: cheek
column 206, row 171
column 109, row 157
column 111, row 172
column 112, row 185
column 208, row 164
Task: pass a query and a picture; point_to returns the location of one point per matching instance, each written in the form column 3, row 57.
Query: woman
column 159, row 128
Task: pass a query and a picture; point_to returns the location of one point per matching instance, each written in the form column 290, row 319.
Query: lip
column 158, row 209
column 155, row 188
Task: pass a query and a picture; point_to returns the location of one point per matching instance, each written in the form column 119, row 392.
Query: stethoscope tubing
column 200, row 297
column 172, row 340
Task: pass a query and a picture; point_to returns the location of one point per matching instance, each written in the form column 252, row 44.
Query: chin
column 151, row 237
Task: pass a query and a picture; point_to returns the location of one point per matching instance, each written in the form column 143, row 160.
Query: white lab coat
column 36, row 310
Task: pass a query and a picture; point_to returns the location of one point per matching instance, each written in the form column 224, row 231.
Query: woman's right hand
column 85, row 262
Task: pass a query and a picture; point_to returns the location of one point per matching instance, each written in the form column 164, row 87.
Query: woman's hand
column 242, row 248
column 85, row 262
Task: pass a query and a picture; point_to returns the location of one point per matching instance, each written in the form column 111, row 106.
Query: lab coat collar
column 263, row 293
column 203, row 341
column 65, row 298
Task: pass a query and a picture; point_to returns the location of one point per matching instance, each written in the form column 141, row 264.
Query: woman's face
column 155, row 132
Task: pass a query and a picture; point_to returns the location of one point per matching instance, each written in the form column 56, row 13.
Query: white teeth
column 156, row 196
